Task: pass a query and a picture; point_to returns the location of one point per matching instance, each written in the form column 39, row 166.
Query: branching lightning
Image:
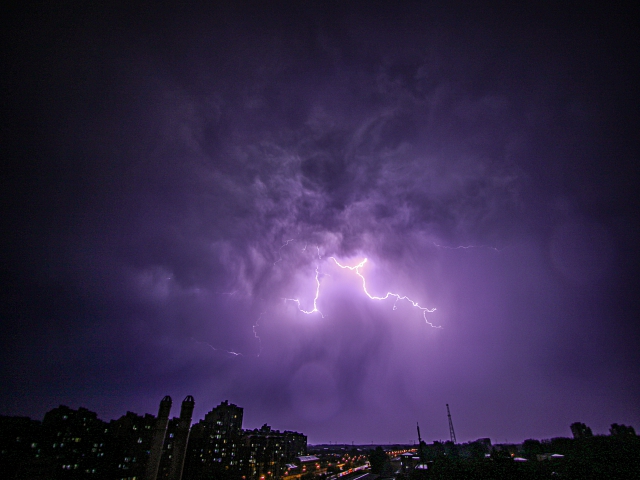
column 287, row 242
column 397, row 296
column 315, row 299
column 357, row 269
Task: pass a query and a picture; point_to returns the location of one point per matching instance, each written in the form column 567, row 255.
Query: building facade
column 130, row 443
column 175, row 443
column 214, row 444
column 76, row 444
column 267, row 453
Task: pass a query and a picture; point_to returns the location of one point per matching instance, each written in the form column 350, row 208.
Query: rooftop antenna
column 451, row 432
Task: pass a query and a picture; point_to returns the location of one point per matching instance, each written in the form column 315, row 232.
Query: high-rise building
column 77, row 442
column 21, row 447
column 130, row 445
column 267, row 452
column 214, row 443
column 158, row 437
column 175, row 443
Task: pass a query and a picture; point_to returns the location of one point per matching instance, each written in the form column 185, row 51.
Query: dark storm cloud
column 175, row 175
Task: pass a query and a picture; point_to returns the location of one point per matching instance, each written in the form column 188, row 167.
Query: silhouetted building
column 75, row 444
column 175, row 443
column 267, row 452
column 131, row 438
column 76, row 441
column 157, row 439
column 20, row 444
column 214, row 443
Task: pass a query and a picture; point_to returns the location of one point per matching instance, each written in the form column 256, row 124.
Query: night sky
column 175, row 178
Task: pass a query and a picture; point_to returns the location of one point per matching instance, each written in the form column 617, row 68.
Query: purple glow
column 189, row 194
column 356, row 268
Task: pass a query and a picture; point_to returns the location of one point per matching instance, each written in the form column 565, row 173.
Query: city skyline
column 231, row 417
column 341, row 216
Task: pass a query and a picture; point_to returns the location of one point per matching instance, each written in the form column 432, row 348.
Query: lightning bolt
column 287, row 242
column 467, row 247
column 315, row 299
column 356, row 269
column 397, row 296
column 255, row 333
column 230, row 352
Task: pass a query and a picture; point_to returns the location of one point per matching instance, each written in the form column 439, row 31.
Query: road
column 360, row 476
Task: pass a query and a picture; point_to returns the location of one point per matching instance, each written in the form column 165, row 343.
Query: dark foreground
column 599, row 457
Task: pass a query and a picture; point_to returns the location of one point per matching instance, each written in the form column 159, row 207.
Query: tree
column 451, row 449
column 621, row 431
column 377, row 459
column 580, row 430
column 531, row 448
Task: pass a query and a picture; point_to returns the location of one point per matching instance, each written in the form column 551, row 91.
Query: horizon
column 330, row 443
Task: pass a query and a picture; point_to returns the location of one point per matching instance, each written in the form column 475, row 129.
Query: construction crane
column 451, row 432
column 421, row 452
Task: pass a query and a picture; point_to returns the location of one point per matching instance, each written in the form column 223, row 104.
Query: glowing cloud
column 315, row 299
column 397, row 296
column 356, row 269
